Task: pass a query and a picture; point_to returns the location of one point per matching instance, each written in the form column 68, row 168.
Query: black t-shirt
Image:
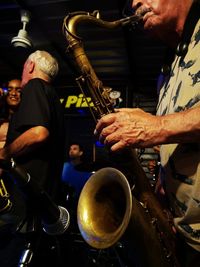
column 40, row 106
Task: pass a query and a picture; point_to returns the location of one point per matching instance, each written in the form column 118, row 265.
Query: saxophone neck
column 73, row 19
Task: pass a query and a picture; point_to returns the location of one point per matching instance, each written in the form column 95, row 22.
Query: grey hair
column 45, row 62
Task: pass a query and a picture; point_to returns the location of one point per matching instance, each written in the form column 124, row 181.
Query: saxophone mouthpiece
column 136, row 18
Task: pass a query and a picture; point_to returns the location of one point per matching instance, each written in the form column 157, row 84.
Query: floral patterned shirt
column 180, row 171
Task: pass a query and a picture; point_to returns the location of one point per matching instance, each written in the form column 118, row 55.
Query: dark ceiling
column 120, row 57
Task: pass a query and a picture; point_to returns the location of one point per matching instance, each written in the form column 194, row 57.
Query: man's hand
column 137, row 128
column 128, row 127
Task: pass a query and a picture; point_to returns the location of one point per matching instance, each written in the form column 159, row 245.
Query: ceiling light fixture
column 22, row 39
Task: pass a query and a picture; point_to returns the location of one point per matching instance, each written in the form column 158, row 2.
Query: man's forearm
column 181, row 127
column 25, row 143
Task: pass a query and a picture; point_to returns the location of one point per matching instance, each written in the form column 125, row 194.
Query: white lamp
column 22, row 39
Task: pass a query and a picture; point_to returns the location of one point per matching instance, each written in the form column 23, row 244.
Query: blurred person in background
column 72, row 175
column 9, row 104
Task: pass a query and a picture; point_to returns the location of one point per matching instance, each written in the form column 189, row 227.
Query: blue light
column 99, row 144
column 81, row 112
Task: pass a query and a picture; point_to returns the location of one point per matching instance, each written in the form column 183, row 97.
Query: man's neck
column 172, row 38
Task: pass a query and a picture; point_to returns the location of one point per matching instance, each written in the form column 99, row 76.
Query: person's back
column 40, row 109
column 44, row 163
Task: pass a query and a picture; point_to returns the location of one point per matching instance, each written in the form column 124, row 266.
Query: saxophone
column 117, row 202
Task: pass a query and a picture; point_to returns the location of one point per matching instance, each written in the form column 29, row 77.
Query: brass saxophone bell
column 104, row 208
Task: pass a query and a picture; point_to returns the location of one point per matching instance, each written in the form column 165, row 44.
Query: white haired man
column 35, row 141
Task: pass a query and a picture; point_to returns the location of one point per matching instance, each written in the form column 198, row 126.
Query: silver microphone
column 59, row 226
